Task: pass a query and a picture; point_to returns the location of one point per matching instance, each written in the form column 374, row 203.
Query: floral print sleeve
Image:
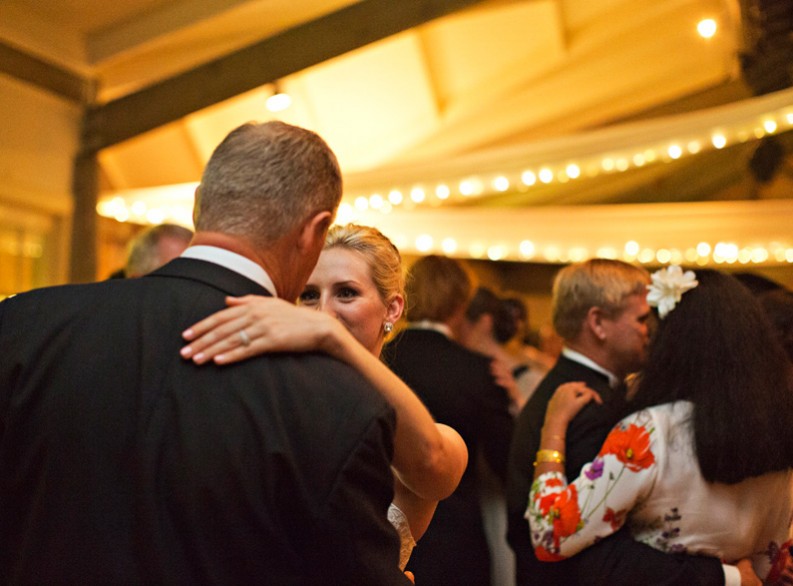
column 566, row 518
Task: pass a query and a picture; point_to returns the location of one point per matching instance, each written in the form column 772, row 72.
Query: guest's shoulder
column 664, row 417
column 432, row 345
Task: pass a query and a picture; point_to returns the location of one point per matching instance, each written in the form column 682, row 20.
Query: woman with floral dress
column 704, row 465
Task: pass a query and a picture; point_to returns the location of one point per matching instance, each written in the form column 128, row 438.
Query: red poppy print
column 615, row 519
column 631, row 446
column 553, row 482
column 546, row 556
column 565, row 514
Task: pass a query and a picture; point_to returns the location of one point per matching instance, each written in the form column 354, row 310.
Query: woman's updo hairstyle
column 382, row 257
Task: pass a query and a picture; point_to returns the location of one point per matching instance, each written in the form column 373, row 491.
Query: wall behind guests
column 39, row 136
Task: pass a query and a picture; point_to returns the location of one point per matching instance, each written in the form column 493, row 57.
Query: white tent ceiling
column 488, row 92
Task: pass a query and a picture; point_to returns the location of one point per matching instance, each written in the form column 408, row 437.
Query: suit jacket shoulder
column 278, row 466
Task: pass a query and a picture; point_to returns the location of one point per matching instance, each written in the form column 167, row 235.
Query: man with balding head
column 121, row 463
column 600, row 310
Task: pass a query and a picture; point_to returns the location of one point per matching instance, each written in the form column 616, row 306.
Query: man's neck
column 228, row 242
column 245, row 249
column 596, row 355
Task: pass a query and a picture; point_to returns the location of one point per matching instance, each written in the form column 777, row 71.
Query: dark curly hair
column 717, row 349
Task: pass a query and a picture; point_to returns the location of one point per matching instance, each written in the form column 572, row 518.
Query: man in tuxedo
column 600, row 310
column 458, row 389
column 121, row 463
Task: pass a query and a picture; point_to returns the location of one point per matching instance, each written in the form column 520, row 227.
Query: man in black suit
column 458, row 389
column 121, row 463
column 600, row 310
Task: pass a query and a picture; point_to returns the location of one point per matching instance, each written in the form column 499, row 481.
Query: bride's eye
column 309, row 297
column 347, row 293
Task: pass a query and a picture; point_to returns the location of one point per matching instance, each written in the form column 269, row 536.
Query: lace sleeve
column 406, row 541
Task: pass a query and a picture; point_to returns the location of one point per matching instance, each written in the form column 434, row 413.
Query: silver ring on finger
column 246, row 341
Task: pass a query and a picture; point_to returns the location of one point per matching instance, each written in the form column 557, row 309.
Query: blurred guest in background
column 485, row 319
column 459, row 390
column 600, row 310
column 512, row 331
column 702, row 450
column 154, row 247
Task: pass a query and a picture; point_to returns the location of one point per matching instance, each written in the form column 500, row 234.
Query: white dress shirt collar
column 437, row 326
column 575, row 356
column 232, row 261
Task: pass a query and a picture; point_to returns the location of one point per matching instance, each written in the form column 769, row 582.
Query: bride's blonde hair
column 382, row 257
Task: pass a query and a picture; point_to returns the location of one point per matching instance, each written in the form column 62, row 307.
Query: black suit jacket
column 458, row 389
column 121, row 463
column 618, row 560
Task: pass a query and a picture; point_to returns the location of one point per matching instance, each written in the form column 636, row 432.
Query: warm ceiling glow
column 442, row 191
column 278, row 102
column 707, row 28
column 424, row 243
column 417, row 194
column 529, row 178
column 719, row 141
column 501, row 183
column 376, row 201
column 449, row 245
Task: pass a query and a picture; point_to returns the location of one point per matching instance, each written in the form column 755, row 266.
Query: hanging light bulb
column 279, row 101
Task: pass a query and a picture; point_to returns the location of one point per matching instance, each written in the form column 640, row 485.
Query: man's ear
column 312, row 235
column 196, row 204
column 594, row 321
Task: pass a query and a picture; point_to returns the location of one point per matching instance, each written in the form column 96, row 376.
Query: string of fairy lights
column 389, row 206
column 566, row 171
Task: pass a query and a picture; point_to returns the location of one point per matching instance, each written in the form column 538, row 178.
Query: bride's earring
column 388, row 327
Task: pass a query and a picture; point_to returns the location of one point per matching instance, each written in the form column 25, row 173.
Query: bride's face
column 341, row 285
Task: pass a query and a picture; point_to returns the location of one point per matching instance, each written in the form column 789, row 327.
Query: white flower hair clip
column 668, row 287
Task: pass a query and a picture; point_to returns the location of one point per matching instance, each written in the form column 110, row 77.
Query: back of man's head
column 265, row 179
column 599, row 282
column 437, row 287
column 154, row 247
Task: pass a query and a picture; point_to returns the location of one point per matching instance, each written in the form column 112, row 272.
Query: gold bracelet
column 553, row 456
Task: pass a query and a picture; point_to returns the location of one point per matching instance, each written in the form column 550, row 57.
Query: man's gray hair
column 598, row 282
column 265, row 179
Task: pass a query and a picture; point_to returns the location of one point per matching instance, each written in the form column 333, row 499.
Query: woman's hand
column 567, row 401
column 254, row 325
column 564, row 405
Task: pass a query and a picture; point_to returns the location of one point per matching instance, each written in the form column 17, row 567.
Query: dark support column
column 85, row 190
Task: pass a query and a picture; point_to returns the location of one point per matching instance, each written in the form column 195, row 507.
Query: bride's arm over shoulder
column 429, row 458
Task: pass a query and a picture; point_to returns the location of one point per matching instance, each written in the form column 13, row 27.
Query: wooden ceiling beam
column 152, row 25
column 44, row 74
column 278, row 56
